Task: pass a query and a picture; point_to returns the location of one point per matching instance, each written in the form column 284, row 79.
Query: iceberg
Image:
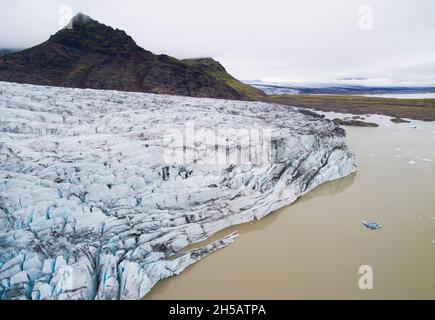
column 371, row 225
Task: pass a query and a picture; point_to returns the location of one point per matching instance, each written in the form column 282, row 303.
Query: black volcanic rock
column 93, row 55
column 399, row 120
column 355, row 123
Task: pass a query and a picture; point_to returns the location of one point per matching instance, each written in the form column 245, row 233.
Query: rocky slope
column 93, row 206
column 214, row 69
column 93, row 55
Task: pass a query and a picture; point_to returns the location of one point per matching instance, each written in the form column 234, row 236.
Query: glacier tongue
column 89, row 208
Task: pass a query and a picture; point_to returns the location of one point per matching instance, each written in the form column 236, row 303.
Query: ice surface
column 89, row 209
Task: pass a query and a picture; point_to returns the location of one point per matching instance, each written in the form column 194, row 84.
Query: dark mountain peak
column 80, row 19
column 90, row 54
column 85, row 33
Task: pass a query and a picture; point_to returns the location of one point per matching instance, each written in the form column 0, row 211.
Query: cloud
column 311, row 40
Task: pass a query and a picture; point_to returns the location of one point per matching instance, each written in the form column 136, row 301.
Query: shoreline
column 415, row 109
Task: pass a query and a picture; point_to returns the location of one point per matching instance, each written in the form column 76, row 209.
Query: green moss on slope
column 217, row 71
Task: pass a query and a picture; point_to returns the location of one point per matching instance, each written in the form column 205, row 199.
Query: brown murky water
column 314, row 248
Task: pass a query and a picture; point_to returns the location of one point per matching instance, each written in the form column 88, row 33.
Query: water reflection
column 330, row 188
column 326, row 189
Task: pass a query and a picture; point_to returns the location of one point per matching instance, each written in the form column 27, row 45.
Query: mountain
column 93, row 55
column 4, row 51
column 217, row 71
column 341, row 88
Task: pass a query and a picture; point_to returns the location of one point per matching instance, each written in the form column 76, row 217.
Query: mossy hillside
column 214, row 69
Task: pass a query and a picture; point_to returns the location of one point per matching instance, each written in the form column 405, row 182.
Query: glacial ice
column 89, row 209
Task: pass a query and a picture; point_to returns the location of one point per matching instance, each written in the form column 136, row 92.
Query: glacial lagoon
column 314, row 248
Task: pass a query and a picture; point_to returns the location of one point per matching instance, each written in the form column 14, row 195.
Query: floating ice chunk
column 412, row 162
column 371, row 225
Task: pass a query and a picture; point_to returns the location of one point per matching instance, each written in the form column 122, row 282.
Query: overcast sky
column 385, row 41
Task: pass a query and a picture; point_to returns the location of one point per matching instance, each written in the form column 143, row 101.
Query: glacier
column 90, row 209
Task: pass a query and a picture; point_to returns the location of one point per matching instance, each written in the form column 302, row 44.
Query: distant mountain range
column 4, row 51
column 336, row 89
column 93, row 55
